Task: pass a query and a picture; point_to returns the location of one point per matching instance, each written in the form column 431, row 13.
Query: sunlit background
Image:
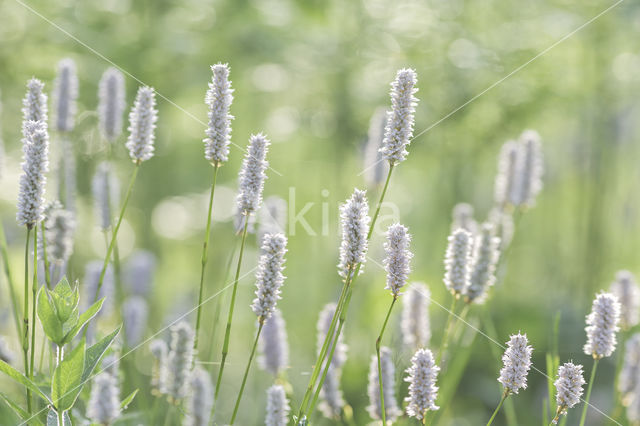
column 310, row 75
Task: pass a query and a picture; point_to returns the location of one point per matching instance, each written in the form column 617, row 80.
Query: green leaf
column 83, row 319
column 48, row 318
column 65, row 300
column 95, row 352
column 67, row 379
column 23, row 380
column 125, row 402
column 19, row 411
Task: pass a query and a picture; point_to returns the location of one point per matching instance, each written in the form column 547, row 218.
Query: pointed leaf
column 48, row 318
column 65, row 300
column 125, row 402
column 95, row 352
column 19, row 411
column 22, row 379
column 83, row 319
column 67, row 379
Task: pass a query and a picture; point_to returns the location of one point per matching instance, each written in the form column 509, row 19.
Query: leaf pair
column 69, row 377
column 59, row 314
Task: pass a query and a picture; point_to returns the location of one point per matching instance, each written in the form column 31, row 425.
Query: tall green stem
column 495, row 413
column 588, row 396
column 45, row 260
column 114, row 236
column 60, row 412
column 378, row 342
column 380, row 200
column 4, row 251
column 34, row 290
column 343, row 303
column 447, row 331
column 317, row 368
column 25, row 315
column 227, row 333
column 203, row 260
column 246, row 372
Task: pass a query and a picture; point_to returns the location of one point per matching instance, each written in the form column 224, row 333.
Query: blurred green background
column 310, row 74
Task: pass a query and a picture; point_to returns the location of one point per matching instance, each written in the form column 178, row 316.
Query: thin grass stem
column 588, row 396
column 25, row 315
column 227, row 333
column 34, row 290
column 447, row 330
column 4, row 251
column 378, row 341
column 495, row 413
column 204, row 258
column 246, row 372
column 114, row 235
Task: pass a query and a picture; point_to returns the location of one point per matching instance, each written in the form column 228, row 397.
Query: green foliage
column 23, row 380
column 22, row 414
column 125, row 402
column 52, row 419
column 94, row 353
column 58, row 312
column 67, row 379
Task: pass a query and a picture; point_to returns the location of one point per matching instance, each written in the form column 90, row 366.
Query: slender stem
column 205, row 257
column 504, row 396
column 34, row 289
column 60, row 412
column 378, row 341
column 336, row 336
column 380, row 200
column 246, row 371
column 114, row 236
column 218, row 307
column 4, row 251
column 45, row 260
column 343, row 303
column 317, row 368
column 557, row 416
column 25, row 315
column 586, row 400
column 447, row 331
column 225, row 345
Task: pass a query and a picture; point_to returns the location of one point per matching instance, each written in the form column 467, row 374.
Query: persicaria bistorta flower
column 625, row 288
column 252, row 174
column 602, row 325
column 219, row 98
column 65, row 93
column 200, row 399
column 35, row 146
column 397, row 263
column 159, row 371
column 629, row 378
column 391, row 408
column 422, row 384
column 416, row 331
column 483, row 264
column 274, row 347
column 517, row 362
column 399, row 129
column 269, row 277
column 104, row 402
column 142, row 124
column 354, row 217
column 34, row 105
column 277, row 407
column 506, row 180
column 568, row 387
column 180, row 360
column 106, row 194
column 111, row 103
column 457, row 262
column 530, row 169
